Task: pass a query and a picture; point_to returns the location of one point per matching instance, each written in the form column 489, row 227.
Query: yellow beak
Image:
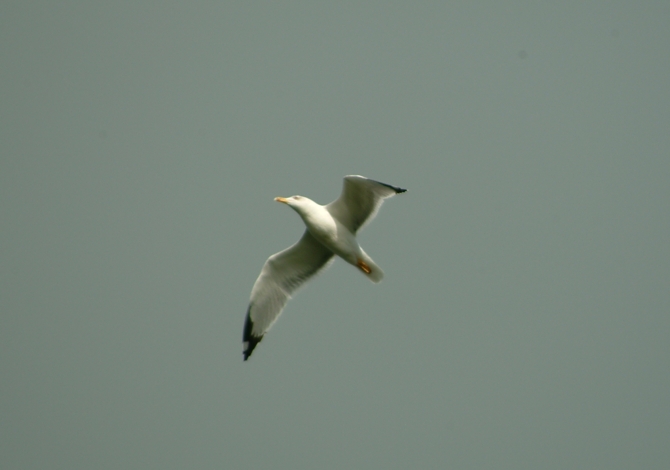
column 281, row 199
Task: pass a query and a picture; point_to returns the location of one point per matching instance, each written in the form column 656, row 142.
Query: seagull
column 331, row 230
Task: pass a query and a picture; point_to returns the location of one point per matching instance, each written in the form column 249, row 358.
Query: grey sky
column 523, row 320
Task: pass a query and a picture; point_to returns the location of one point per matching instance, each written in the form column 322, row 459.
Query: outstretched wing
column 360, row 200
column 281, row 275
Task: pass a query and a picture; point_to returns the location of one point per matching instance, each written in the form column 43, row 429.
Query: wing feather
column 282, row 274
column 360, row 200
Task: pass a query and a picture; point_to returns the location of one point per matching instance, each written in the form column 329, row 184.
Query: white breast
column 331, row 233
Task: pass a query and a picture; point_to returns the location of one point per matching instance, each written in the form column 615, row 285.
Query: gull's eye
column 297, row 197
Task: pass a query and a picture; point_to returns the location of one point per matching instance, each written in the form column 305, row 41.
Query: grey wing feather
column 360, row 200
column 282, row 274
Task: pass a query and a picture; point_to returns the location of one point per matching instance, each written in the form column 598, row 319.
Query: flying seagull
column 331, row 230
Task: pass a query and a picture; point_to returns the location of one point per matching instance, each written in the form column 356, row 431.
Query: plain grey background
column 524, row 319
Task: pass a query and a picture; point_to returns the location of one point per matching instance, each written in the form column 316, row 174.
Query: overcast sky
column 523, row 322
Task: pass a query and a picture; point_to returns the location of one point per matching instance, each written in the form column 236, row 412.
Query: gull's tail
column 370, row 268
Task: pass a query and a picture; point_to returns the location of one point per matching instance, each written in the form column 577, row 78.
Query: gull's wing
column 281, row 275
column 360, row 201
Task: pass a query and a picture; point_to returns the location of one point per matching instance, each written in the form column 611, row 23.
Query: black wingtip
column 395, row 188
column 250, row 345
column 248, row 339
column 250, row 348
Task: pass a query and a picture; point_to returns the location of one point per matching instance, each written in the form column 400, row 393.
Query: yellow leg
column 364, row 267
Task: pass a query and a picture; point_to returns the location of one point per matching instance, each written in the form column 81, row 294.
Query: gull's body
column 331, row 230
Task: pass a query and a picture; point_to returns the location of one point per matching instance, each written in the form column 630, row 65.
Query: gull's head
column 298, row 203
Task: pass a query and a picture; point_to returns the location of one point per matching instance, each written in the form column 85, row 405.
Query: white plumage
column 331, row 230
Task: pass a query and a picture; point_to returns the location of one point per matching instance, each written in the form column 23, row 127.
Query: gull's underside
column 331, row 230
